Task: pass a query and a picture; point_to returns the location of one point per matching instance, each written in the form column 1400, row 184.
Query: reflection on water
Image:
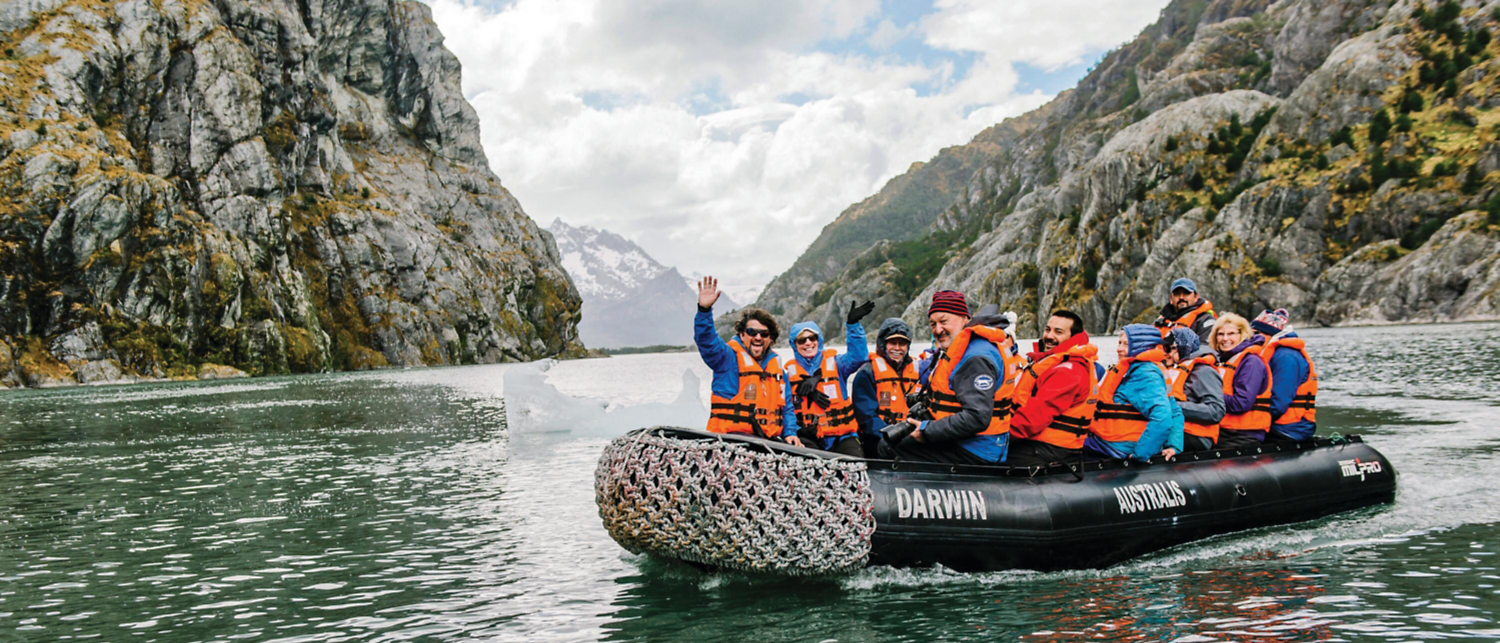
column 398, row 505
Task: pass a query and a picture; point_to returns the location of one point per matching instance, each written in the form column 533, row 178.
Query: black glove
column 858, row 312
column 808, row 390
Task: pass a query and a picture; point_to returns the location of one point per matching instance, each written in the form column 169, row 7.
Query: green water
column 399, row 506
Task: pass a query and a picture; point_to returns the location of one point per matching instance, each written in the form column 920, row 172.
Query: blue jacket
column 856, row 354
column 990, row 448
column 1145, row 389
column 1288, row 372
column 720, row 358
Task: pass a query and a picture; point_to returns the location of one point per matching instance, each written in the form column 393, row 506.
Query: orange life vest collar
column 1258, row 418
column 891, row 387
column 945, row 400
column 1069, row 428
column 838, row 418
column 1305, row 401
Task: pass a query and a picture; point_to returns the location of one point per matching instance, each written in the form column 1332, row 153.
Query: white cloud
column 722, row 136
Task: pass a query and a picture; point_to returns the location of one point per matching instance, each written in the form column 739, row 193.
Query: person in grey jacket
column 1201, row 396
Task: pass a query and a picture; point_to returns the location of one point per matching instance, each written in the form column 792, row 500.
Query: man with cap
column 1185, row 309
column 818, row 407
column 968, row 401
column 1136, row 418
column 1194, row 381
column 881, row 386
column 1294, row 379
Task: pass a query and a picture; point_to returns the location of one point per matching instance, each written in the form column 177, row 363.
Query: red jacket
column 1062, row 387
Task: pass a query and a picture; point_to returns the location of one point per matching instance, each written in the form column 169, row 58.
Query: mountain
column 1334, row 157
column 273, row 186
column 629, row 299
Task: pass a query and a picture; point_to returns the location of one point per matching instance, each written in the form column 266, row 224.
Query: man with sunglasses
column 819, row 409
column 746, row 395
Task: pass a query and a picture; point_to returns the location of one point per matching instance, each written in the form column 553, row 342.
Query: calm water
column 397, row 506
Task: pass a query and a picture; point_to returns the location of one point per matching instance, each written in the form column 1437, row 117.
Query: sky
column 721, row 136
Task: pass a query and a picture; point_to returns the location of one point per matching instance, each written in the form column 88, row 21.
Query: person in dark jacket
column 1294, row 378
column 1247, row 390
column 1186, row 309
column 875, row 406
column 964, row 387
column 1198, row 388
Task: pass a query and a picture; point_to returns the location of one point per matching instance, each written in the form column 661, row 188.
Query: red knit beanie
column 948, row 301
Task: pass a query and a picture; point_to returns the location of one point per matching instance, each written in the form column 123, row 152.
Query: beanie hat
column 1186, row 340
column 949, row 301
column 1270, row 322
column 1140, row 338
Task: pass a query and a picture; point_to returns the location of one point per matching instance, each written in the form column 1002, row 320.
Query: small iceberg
column 535, row 407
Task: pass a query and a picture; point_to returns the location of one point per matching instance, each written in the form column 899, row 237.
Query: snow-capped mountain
column 629, row 299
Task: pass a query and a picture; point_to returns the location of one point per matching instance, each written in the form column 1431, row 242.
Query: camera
column 916, row 405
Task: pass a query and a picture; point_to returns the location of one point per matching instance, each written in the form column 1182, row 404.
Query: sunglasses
column 807, row 339
column 758, row 332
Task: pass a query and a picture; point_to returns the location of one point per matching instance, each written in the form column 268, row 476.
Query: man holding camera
column 967, row 402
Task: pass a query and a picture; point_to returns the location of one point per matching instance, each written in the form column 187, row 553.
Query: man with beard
column 1185, row 309
column 1055, row 397
column 880, row 387
column 969, row 408
column 746, row 396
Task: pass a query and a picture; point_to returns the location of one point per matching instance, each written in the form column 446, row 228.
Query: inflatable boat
column 742, row 503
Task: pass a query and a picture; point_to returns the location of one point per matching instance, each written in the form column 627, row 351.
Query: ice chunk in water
column 532, row 406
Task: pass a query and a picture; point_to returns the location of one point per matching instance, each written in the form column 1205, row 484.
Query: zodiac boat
column 742, row 503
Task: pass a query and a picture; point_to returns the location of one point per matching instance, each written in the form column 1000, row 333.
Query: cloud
column 722, row 136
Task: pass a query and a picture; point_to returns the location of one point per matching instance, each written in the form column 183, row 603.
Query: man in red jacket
column 1054, row 400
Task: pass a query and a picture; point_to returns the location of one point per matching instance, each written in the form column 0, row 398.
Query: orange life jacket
column 1177, row 378
column 945, row 401
column 1305, row 403
column 1204, row 307
column 756, row 408
column 1258, row 418
column 838, row 418
column 891, row 388
column 1070, row 427
column 1117, row 421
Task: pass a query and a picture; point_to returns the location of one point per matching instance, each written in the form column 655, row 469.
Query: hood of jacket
column 1078, row 339
column 808, row 364
column 1140, row 338
column 891, row 326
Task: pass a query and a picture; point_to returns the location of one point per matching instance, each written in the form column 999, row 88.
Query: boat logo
column 941, row 504
column 1352, row 468
column 1147, row 497
column 984, row 383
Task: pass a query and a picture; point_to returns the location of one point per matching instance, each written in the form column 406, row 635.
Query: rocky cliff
column 271, row 185
column 1334, row 157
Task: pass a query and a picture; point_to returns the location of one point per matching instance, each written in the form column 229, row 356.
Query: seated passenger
column 1136, row 418
column 1247, row 384
column 1198, row 388
column 970, row 420
column 1054, row 395
column 881, row 386
column 818, row 408
column 1186, row 309
column 746, row 394
column 1294, row 379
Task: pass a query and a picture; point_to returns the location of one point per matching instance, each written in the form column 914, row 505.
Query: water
column 399, row 506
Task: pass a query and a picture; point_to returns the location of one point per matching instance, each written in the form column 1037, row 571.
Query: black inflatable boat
column 743, row 503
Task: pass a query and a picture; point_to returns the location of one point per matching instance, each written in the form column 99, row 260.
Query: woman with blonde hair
column 1247, row 383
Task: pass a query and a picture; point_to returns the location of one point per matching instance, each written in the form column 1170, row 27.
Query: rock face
column 629, row 298
column 1334, row 157
column 268, row 185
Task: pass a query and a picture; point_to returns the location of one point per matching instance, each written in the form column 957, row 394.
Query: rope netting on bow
column 732, row 505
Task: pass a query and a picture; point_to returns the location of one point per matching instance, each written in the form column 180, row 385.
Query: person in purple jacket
column 1247, row 383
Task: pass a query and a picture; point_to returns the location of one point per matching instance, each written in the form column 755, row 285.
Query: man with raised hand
column 746, row 396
